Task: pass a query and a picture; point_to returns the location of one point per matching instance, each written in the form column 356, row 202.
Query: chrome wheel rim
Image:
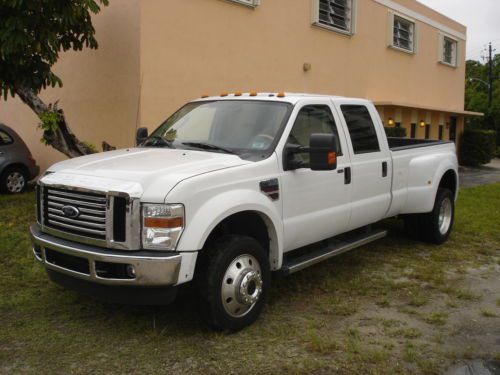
column 445, row 214
column 15, row 182
column 241, row 286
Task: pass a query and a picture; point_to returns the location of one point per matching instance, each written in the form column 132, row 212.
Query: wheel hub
column 242, row 285
column 15, row 182
column 445, row 215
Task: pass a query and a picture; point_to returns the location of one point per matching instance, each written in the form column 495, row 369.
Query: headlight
column 162, row 225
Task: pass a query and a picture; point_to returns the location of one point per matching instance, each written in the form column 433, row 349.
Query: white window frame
column 390, row 32
column 441, row 40
column 250, row 3
column 352, row 26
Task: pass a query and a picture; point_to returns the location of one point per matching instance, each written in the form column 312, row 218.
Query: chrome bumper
column 88, row 262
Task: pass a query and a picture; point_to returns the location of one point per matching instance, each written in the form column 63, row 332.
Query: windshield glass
column 243, row 127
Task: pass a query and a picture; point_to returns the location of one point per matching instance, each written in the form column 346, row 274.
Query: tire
column 233, row 283
column 13, row 181
column 435, row 226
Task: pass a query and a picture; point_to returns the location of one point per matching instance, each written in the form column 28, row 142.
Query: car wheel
column 234, row 282
column 13, row 181
column 437, row 224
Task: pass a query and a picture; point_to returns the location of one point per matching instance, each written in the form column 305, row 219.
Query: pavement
column 486, row 174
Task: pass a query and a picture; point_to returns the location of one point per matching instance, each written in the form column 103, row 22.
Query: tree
column 32, row 34
column 476, row 96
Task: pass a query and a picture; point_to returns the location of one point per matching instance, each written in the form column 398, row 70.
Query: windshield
column 244, row 127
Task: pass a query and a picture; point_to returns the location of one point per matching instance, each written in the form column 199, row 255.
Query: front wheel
column 13, row 181
column 234, row 282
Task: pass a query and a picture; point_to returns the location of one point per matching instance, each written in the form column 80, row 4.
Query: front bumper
column 104, row 266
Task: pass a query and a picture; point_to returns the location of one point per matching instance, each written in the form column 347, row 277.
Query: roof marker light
column 237, row 93
column 223, row 94
column 281, row 95
column 253, row 93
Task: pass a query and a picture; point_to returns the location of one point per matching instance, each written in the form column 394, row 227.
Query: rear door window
column 5, row 139
column 361, row 129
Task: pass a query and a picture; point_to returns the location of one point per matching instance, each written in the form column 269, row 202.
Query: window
column 5, row 139
column 448, row 50
column 441, row 132
column 361, row 129
column 413, row 131
column 252, row 3
column 427, row 131
column 312, row 119
column 403, row 33
column 398, row 125
column 337, row 15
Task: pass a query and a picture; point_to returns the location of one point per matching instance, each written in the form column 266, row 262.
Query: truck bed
column 399, row 144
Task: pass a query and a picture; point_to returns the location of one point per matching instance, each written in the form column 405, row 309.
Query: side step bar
column 331, row 249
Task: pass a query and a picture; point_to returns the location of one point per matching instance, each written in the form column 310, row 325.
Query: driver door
column 316, row 204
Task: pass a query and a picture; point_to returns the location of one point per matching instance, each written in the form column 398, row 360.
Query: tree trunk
column 62, row 139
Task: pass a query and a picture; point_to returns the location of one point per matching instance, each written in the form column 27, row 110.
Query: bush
column 395, row 132
column 478, row 147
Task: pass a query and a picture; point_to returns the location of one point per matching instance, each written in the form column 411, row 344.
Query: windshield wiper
column 208, row 146
column 162, row 142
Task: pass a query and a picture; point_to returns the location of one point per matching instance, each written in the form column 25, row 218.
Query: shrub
column 478, row 147
column 395, row 132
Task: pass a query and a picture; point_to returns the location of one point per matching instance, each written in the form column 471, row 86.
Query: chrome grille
column 90, row 220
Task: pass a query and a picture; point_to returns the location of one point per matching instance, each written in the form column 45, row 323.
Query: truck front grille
column 75, row 212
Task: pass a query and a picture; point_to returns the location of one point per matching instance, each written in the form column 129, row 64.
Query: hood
column 138, row 170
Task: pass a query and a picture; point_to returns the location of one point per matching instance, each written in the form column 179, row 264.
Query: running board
column 331, row 249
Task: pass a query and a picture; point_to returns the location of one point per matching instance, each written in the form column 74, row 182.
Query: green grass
column 391, row 307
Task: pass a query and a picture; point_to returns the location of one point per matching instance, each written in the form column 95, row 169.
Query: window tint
column 361, row 129
column 5, row 139
column 310, row 120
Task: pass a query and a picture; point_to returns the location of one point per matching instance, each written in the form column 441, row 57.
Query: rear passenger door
column 370, row 163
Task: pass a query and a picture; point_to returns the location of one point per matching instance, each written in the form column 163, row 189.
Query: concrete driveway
column 487, row 174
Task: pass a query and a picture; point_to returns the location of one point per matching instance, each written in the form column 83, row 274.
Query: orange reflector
column 224, row 94
column 253, row 93
column 332, row 158
column 237, row 93
column 163, row 222
column 205, row 96
column 281, row 95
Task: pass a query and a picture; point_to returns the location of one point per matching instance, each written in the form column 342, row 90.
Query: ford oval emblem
column 70, row 211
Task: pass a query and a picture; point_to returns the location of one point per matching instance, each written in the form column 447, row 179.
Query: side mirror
column 323, row 152
column 141, row 135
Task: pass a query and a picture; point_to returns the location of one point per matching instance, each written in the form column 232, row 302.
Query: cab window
column 310, row 120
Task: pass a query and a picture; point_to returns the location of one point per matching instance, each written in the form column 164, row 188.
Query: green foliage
column 90, row 146
column 478, row 147
column 395, row 132
column 476, row 96
column 34, row 32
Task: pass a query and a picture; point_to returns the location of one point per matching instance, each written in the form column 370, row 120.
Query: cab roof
column 287, row 97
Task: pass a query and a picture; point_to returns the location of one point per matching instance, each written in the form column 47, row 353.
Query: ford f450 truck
column 231, row 188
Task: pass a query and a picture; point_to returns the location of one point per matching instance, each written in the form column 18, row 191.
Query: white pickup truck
column 232, row 188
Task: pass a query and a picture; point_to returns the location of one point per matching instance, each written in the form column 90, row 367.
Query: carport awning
column 426, row 108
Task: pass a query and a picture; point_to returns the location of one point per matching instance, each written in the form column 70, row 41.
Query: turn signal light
column 163, row 222
column 332, row 158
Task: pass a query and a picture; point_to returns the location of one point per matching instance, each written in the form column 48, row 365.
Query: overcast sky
column 482, row 18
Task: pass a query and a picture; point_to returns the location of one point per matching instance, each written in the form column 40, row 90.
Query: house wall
column 154, row 55
column 211, row 46
column 100, row 96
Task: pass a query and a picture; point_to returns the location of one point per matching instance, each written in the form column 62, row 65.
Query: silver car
column 17, row 166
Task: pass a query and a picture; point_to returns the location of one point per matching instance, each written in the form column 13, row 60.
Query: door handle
column 347, row 176
column 384, row 169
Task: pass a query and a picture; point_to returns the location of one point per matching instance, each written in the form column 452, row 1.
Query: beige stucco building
column 155, row 55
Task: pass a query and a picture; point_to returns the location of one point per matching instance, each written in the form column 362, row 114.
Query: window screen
column 5, row 139
column 361, row 129
column 403, row 34
column 336, row 14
